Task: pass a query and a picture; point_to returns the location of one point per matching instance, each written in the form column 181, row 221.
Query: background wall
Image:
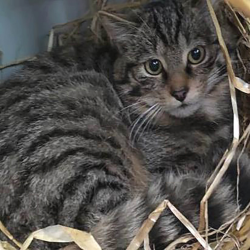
column 25, row 26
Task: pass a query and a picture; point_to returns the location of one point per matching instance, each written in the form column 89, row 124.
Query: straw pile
column 235, row 234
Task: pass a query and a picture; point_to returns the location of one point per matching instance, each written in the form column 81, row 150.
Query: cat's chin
column 184, row 110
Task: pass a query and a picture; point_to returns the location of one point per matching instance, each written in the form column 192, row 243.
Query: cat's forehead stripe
column 167, row 24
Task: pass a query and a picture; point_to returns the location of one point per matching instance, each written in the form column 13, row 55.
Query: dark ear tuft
column 118, row 29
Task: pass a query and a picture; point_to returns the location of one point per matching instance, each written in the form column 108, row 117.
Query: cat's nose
column 180, row 95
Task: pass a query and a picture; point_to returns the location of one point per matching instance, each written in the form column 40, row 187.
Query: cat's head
column 170, row 60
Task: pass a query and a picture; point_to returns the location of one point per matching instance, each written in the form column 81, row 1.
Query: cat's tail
column 117, row 229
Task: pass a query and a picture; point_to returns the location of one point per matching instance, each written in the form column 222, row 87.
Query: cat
column 96, row 136
column 170, row 43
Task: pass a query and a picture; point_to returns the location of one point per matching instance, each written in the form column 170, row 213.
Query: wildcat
column 95, row 136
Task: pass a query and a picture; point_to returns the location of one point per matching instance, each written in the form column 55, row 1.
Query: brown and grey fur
column 77, row 148
column 206, row 111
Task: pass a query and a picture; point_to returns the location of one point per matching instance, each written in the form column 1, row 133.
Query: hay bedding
column 235, row 234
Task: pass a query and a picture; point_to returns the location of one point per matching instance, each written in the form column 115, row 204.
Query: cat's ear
column 118, row 29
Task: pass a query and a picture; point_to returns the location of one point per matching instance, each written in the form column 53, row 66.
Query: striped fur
column 65, row 156
column 87, row 140
column 185, row 134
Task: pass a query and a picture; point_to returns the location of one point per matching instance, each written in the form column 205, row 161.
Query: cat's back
column 63, row 146
column 52, row 90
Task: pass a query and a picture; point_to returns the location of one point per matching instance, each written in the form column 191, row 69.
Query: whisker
column 147, row 118
column 158, row 115
column 139, row 118
column 134, row 105
column 214, row 77
column 132, row 137
column 151, row 118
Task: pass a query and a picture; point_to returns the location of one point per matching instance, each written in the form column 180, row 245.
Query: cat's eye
column 196, row 55
column 153, row 67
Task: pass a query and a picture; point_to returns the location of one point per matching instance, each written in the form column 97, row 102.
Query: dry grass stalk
column 237, row 231
column 51, row 40
column 236, row 235
column 182, row 240
column 9, row 235
column 239, row 236
column 6, row 246
column 63, row 234
column 231, row 152
column 17, row 62
column 241, row 5
column 77, row 23
column 237, row 21
column 154, row 216
column 146, row 227
column 147, row 243
column 233, row 82
column 90, row 15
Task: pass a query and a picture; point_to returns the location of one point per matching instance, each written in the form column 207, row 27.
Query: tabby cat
column 96, row 136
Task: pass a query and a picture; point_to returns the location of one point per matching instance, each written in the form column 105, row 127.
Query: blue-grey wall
column 25, row 25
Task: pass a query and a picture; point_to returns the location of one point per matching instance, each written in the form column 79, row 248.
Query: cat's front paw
column 116, row 230
column 185, row 192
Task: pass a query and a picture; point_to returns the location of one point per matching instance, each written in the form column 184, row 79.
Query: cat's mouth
column 183, row 105
column 184, row 110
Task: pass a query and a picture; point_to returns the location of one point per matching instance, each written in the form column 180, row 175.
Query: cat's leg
column 116, row 230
